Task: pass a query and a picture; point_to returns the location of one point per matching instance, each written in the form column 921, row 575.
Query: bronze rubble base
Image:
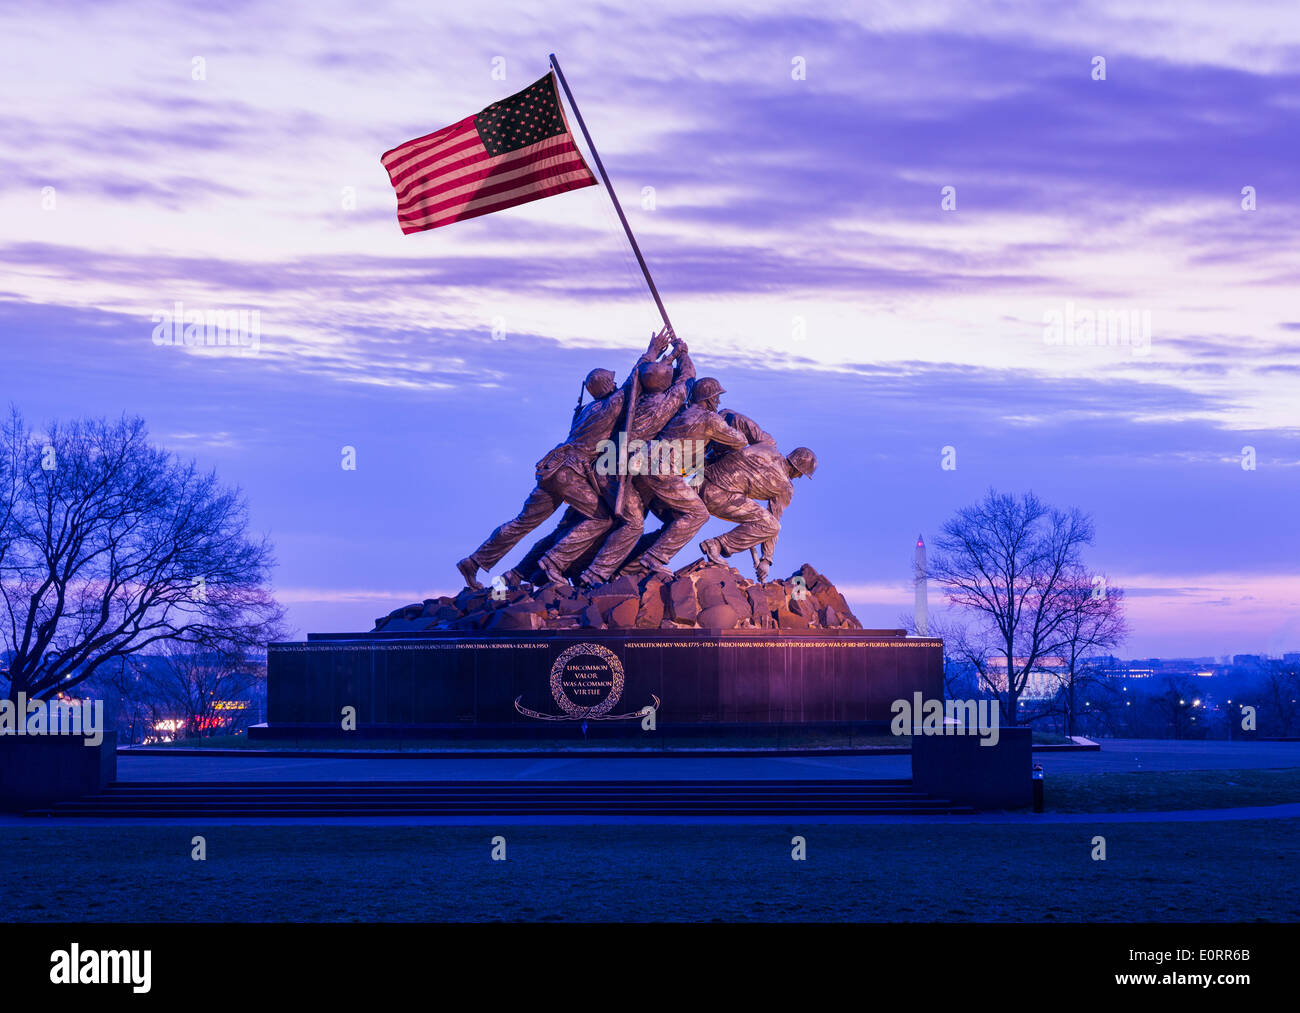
column 701, row 596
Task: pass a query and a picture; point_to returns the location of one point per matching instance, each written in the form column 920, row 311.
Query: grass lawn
column 1240, row 871
column 1155, row 790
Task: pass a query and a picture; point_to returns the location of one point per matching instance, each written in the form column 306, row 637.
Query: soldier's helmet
column 656, row 377
column 705, row 388
column 803, row 460
column 599, row 383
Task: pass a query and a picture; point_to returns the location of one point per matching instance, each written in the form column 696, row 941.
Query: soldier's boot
column 550, row 572
column 658, row 569
column 469, row 570
column 589, row 578
column 651, row 565
column 712, row 548
column 513, row 579
column 635, row 568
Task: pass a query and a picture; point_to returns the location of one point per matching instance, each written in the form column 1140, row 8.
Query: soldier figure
column 735, row 481
column 566, row 474
column 665, row 391
column 686, row 435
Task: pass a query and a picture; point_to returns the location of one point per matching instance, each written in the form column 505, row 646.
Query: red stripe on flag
column 499, row 192
column 481, row 167
column 425, row 143
column 539, row 176
column 475, row 212
column 414, row 142
column 410, row 170
column 453, row 165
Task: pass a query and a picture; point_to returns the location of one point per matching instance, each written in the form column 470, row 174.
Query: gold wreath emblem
column 577, row 712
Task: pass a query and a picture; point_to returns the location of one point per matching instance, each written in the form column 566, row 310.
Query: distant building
column 1045, row 678
column 1240, row 665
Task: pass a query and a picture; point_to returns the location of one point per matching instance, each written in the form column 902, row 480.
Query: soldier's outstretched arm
column 683, row 380
column 685, row 367
column 658, row 342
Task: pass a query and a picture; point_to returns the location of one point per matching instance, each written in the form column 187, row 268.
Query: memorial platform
column 528, row 681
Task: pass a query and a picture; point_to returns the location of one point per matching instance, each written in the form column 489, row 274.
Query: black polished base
column 548, row 682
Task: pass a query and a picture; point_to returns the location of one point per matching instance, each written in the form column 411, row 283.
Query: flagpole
column 609, row 188
column 645, row 270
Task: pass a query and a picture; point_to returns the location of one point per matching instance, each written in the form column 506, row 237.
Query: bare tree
column 138, row 706
column 1280, row 692
column 1106, row 706
column 1093, row 621
column 1173, row 705
column 110, row 545
column 198, row 686
column 1008, row 564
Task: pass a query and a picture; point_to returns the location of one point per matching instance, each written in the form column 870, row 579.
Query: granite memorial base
column 39, row 770
column 610, row 681
column 961, row 768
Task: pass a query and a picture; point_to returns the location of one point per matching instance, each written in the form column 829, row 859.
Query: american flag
column 514, row 151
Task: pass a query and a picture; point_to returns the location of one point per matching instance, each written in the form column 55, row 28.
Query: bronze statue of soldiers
column 566, row 474
column 671, row 484
column 731, row 487
column 665, row 389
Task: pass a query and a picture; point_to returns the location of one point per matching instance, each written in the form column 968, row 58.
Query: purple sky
column 205, row 156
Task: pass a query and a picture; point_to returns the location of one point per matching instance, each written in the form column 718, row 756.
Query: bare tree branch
column 110, row 546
